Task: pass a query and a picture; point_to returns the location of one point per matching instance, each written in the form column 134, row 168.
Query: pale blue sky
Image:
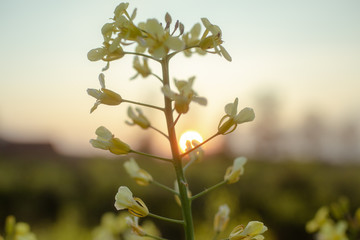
column 308, row 52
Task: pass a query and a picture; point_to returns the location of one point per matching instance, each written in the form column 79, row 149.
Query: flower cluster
column 155, row 38
column 159, row 42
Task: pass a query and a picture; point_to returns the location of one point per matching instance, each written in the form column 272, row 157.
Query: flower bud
column 139, row 119
column 139, row 175
column 221, row 218
column 234, row 172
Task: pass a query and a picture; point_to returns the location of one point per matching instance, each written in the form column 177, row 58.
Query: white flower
column 185, row 96
column 233, row 118
column 106, row 140
column 124, row 200
column 253, row 230
column 103, row 96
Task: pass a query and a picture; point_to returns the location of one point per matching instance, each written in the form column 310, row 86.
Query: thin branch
column 160, row 79
column 152, row 156
column 144, row 104
column 159, row 131
column 187, row 48
column 189, row 163
column 197, row 146
column 166, row 219
column 143, row 55
column 209, row 189
column 165, row 187
column 177, row 119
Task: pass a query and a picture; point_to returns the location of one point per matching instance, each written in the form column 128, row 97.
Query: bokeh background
column 295, row 62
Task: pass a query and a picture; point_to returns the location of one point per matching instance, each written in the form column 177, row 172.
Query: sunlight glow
column 189, row 136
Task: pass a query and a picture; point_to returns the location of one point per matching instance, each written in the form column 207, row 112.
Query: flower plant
column 153, row 41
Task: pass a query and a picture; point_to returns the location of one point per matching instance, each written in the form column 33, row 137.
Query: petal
column 124, row 198
column 94, row 93
column 121, row 8
column 215, row 30
column 206, row 22
column 195, row 30
column 102, row 80
column 131, row 113
column 239, row 162
column 97, row 103
column 96, row 54
column 254, row 228
column 225, row 54
column 259, row 237
column 131, row 167
column 245, row 115
column 106, row 30
column 99, row 144
column 133, row 15
column 200, row 100
column 104, row 133
column 231, row 108
column 115, row 45
column 153, row 27
column 175, row 43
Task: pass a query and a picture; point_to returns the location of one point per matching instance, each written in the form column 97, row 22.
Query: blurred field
column 64, row 198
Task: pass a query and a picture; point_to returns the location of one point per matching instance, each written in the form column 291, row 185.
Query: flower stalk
column 184, row 199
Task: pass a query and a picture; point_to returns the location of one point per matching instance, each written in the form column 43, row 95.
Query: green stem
column 143, row 104
column 184, row 199
column 165, row 187
column 208, row 189
column 152, row 156
column 166, row 219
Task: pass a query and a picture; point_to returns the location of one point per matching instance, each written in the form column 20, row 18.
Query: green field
column 64, row 198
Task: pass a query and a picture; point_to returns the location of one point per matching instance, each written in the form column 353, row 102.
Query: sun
column 189, row 136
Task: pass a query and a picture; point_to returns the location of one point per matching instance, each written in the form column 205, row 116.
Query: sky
column 305, row 52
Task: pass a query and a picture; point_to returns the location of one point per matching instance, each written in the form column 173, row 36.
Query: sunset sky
column 307, row 53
